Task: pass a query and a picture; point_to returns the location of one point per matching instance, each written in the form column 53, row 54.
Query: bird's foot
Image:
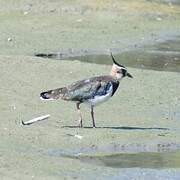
column 94, row 125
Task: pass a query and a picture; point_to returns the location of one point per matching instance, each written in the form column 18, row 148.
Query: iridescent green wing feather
column 82, row 90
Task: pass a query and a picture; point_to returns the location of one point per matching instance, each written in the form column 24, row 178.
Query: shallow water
column 167, row 1
column 154, row 156
column 142, row 160
column 155, row 60
column 164, row 56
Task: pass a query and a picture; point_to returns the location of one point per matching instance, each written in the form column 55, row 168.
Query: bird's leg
column 79, row 113
column 92, row 115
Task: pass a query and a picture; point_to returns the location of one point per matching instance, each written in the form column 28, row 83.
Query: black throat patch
column 115, row 85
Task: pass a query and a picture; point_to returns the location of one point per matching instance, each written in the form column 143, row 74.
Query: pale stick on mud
column 40, row 118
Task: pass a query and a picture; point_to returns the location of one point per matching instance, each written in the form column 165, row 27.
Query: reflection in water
column 142, row 160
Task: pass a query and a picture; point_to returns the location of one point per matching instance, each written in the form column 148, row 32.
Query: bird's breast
column 98, row 99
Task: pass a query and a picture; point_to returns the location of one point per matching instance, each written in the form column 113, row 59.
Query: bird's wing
column 87, row 89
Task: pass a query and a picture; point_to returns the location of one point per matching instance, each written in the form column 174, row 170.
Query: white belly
column 100, row 99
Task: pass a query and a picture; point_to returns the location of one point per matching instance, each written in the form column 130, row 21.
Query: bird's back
column 85, row 90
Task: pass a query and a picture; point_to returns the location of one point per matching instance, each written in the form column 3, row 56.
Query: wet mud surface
column 138, row 130
column 146, row 125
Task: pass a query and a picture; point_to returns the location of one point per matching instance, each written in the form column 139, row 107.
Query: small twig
column 36, row 119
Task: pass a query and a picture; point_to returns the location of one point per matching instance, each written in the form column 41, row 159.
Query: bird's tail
column 53, row 94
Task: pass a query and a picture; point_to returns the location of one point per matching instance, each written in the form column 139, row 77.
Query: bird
column 92, row 91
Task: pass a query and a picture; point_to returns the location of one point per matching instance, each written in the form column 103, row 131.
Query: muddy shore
column 141, row 120
column 148, row 121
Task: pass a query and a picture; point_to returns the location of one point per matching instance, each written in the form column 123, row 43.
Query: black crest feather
column 114, row 61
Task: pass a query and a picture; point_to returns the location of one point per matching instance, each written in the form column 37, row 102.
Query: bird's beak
column 129, row 75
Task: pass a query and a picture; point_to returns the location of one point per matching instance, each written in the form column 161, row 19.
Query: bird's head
column 119, row 71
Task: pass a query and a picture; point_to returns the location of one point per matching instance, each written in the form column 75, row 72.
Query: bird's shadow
column 119, row 127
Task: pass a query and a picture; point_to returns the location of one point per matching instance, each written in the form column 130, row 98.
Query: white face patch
column 116, row 71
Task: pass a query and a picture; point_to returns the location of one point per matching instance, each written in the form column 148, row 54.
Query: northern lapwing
column 92, row 91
